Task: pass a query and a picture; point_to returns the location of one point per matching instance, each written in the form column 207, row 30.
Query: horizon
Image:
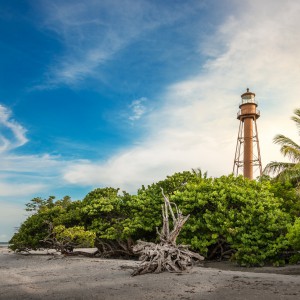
column 122, row 94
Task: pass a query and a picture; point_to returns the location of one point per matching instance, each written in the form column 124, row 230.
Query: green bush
column 293, row 234
column 35, row 228
column 252, row 222
column 30, row 234
column 76, row 235
column 233, row 216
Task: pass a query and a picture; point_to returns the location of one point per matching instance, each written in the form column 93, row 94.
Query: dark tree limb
column 114, row 248
column 64, row 246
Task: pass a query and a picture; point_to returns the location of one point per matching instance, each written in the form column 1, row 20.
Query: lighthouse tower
column 247, row 154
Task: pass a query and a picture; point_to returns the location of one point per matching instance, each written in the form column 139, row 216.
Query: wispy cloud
column 92, row 32
column 12, row 134
column 23, row 177
column 32, row 174
column 138, row 109
column 24, row 174
column 196, row 125
column 19, row 189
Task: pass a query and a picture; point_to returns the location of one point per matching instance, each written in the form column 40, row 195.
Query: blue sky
column 122, row 93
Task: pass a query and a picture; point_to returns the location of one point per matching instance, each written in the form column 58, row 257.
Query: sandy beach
column 42, row 276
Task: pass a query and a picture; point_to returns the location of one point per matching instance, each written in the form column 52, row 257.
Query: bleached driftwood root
column 166, row 256
column 156, row 258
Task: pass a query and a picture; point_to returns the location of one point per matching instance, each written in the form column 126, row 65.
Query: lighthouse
column 247, row 160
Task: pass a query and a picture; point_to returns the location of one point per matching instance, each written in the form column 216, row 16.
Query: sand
column 40, row 276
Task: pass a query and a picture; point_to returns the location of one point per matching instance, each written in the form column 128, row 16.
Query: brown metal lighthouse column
column 248, row 148
column 245, row 157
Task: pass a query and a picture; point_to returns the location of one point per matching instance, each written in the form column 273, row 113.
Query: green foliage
column 38, row 203
column 77, row 235
column 70, row 214
column 122, row 217
column 30, row 234
column 104, row 210
column 235, row 214
column 145, row 207
column 293, row 237
column 35, row 227
column 287, row 171
column 287, row 195
column 293, row 234
column 230, row 217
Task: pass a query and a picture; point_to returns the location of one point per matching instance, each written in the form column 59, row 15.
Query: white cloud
column 22, row 178
column 142, row 165
column 138, row 109
column 15, row 189
column 15, row 170
column 31, row 174
column 256, row 47
column 195, row 125
column 25, row 175
column 12, row 134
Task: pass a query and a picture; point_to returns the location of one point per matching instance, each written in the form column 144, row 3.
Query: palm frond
column 296, row 118
column 297, row 115
column 275, row 167
column 292, row 174
column 282, row 140
column 283, row 170
column 291, row 153
column 288, row 147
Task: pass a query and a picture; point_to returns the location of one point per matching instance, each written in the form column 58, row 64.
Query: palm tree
column 287, row 170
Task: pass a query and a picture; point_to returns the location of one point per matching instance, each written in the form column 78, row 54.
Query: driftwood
column 166, row 255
